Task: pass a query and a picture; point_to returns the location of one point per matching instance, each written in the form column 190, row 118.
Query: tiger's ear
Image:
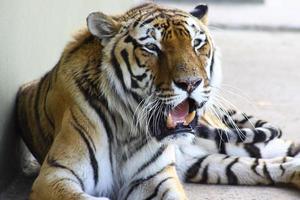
column 102, row 26
column 201, row 12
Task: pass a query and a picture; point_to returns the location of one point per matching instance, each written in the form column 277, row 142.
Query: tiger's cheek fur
column 147, row 65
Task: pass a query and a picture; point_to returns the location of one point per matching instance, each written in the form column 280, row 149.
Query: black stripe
column 231, row 112
column 134, row 83
column 54, row 163
column 207, row 91
column 37, row 102
column 117, row 69
column 290, row 149
column 246, row 119
column 241, row 135
column 232, row 178
column 137, row 21
column 154, row 194
column 183, row 32
column 130, row 39
column 152, row 159
column 274, row 133
column 104, row 102
column 222, row 148
column 252, row 150
column 45, row 103
column 259, row 123
column 106, row 124
column 212, row 65
column 141, row 144
column 280, row 133
column 227, row 156
column 293, row 149
column 254, row 166
column 281, row 167
column 136, row 97
column 259, row 136
column 218, row 135
column 202, row 131
column 96, row 102
column 22, row 121
column 220, row 139
column 138, row 182
column 165, row 193
column 55, row 182
column 168, row 35
column 93, row 160
column 83, row 130
column 147, row 21
column 267, row 174
column 142, row 16
column 194, row 169
column 282, row 170
column 144, row 38
column 204, row 176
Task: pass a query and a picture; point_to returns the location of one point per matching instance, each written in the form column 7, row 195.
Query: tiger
column 126, row 113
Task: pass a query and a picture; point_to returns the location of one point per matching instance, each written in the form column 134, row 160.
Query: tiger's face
column 163, row 60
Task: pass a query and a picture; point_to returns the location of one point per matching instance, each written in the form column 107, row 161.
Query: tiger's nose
column 188, row 84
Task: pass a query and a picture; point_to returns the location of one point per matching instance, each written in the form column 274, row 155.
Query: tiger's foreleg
column 240, row 128
column 70, row 169
column 224, row 169
column 246, row 136
column 152, row 175
column 272, row 149
column 261, row 138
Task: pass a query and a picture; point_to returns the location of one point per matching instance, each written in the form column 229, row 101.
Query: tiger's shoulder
column 42, row 103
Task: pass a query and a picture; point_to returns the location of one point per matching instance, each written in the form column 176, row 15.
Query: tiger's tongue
column 178, row 115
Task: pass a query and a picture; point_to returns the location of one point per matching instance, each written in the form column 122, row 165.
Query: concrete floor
column 261, row 77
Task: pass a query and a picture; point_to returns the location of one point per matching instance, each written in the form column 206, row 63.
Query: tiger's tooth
column 170, row 122
column 189, row 118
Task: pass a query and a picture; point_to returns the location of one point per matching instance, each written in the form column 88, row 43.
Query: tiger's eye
column 151, row 47
column 197, row 42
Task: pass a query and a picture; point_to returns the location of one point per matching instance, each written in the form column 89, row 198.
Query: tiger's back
column 41, row 103
column 36, row 128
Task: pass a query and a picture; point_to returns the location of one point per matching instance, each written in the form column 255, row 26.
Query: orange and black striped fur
column 124, row 115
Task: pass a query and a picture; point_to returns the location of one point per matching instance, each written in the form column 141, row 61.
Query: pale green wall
column 32, row 36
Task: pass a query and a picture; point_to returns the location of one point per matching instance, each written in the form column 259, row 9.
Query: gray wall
column 32, row 36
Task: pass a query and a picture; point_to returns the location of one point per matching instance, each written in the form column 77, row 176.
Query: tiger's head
column 161, row 64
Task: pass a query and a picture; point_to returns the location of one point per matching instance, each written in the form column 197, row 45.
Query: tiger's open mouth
column 180, row 119
column 183, row 114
